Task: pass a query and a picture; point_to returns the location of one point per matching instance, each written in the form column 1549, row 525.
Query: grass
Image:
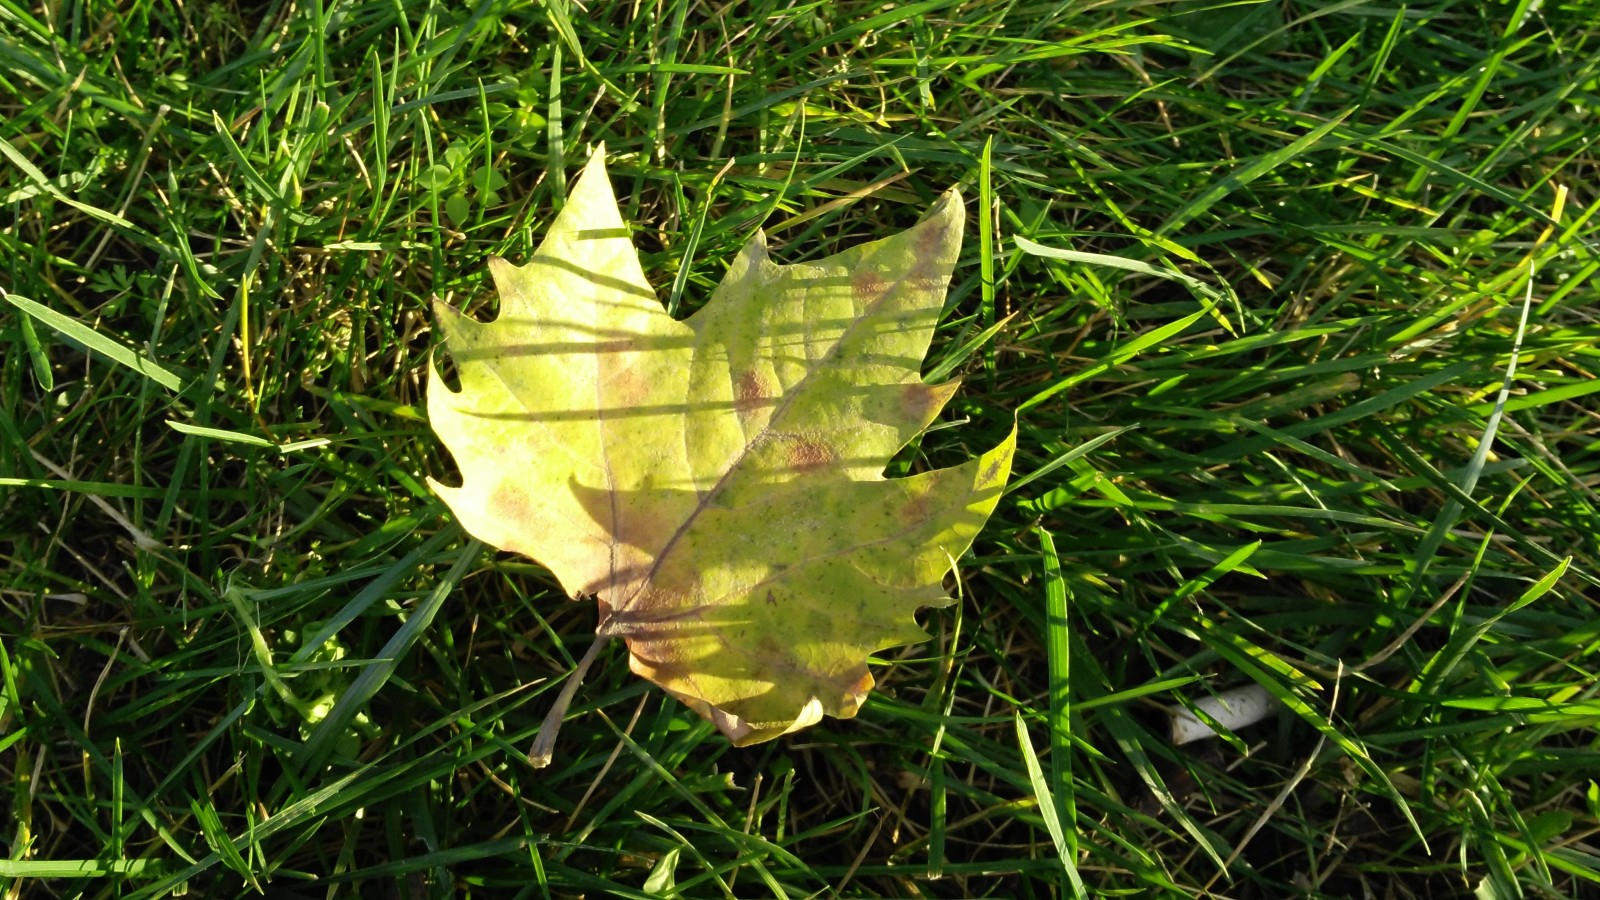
column 1261, row 345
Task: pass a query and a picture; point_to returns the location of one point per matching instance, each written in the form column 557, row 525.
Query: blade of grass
column 373, row 677
column 95, row 342
column 1063, row 809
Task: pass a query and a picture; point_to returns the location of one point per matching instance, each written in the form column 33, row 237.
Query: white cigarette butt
column 1232, row 709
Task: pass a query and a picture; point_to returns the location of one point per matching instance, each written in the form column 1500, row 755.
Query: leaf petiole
column 545, row 741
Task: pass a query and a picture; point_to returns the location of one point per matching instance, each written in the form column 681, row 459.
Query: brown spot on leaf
column 868, row 285
column 916, row 510
column 916, row 399
column 927, row 272
column 510, row 506
column 991, row 472
column 626, row 387
column 770, row 648
column 807, row 455
column 749, row 392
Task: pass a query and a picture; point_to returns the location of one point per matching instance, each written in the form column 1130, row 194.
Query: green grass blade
column 372, row 678
column 95, row 342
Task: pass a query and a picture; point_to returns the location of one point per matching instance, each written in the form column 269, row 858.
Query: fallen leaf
column 717, row 483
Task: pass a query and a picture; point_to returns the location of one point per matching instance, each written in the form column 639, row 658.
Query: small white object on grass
column 1233, row 710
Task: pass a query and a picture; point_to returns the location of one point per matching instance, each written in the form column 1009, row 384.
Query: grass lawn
column 1294, row 304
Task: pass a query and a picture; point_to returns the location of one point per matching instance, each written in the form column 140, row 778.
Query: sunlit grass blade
column 95, row 342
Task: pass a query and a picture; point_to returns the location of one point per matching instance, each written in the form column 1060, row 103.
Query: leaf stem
column 544, row 743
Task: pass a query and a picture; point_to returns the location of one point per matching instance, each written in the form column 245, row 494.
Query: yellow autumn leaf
column 717, row 483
